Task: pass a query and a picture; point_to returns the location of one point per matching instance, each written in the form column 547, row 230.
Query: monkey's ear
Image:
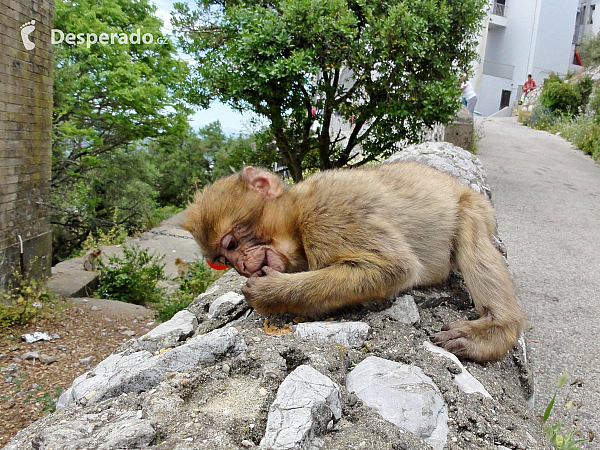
column 265, row 183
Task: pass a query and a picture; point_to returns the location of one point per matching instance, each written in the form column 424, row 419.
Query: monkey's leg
column 347, row 282
column 489, row 284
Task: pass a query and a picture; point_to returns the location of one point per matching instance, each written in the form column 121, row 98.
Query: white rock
column 224, row 304
column 464, row 380
column 403, row 395
column 404, row 310
column 141, row 371
column 305, row 403
column 348, row 334
column 169, row 333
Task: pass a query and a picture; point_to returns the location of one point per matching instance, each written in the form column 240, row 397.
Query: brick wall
column 25, row 135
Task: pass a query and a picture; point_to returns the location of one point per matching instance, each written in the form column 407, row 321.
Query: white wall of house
column 535, row 36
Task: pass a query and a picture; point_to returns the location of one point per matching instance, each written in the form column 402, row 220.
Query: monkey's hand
column 481, row 340
column 266, row 294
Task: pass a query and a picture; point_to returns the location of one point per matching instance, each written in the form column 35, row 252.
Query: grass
column 558, row 438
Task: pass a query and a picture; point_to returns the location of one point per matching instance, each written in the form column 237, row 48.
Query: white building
column 587, row 24
column 522, row 37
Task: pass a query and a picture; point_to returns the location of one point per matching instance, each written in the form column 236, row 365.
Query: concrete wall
column 25, row 135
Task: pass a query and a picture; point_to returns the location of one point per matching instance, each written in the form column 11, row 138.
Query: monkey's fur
column 91, row 258
column 182, row 267
column 347, row 237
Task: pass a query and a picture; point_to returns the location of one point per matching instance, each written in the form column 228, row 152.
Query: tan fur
column 90, row 260
column 182, row 267
column 353, row 236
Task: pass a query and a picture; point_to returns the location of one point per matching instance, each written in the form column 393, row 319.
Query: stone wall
column 25, row 135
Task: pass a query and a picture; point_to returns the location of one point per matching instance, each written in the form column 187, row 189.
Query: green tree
column 107, row 97
column 389, row 66
column 190, row 162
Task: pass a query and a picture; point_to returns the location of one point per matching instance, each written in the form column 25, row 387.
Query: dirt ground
column 86, row 328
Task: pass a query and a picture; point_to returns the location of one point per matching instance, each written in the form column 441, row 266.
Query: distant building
column 522, row 37
column 587, row 22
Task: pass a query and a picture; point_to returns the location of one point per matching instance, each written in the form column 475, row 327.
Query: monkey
column 91, row 258
column 182, row 267
column 353, row 236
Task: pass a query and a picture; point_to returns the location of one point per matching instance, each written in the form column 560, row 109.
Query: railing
column 499, row 9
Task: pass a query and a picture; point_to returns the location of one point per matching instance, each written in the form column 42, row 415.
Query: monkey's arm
column 346, row 282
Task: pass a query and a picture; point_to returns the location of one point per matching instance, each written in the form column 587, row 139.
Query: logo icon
column 26, row 29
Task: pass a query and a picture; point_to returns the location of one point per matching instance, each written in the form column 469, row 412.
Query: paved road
column 547, row 199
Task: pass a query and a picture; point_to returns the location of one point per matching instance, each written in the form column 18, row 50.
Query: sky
column 232, row 122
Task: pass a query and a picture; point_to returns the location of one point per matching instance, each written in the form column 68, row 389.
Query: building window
column 592, row 12
column 583, row 15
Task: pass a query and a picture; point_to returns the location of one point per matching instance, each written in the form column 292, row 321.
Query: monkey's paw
column 480, row 340
column 455, row 337
column 263, row 292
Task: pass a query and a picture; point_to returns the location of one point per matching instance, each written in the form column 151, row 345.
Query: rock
column 94, row 308
column 348, row 334
column 55, row 336
column 224, row 304
column 305, row 403
column 47, row 359
column 121, row 430
column 141, row 370
column 129, row 333
column 30, row 355
column 404, row 310
column 464, row 380
column 402, row 394
column 86, row 361
column 465, row 166
column 170, row 333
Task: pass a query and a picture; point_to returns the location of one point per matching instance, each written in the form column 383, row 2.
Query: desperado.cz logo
column 58, row 37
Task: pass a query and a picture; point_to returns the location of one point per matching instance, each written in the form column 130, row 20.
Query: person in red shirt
column 529, row 85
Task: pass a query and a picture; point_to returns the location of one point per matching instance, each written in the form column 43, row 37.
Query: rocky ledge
column 221, row 376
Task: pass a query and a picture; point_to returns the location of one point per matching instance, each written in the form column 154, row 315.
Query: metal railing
column 499, row 9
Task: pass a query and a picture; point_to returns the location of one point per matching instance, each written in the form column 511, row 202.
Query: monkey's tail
column 487, row 278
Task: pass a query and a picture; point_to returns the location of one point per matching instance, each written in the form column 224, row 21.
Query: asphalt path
column 547, row 199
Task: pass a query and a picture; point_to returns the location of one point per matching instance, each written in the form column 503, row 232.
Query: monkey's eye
column 229, row 242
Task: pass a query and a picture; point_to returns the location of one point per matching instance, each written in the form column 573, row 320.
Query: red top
column 529, row 86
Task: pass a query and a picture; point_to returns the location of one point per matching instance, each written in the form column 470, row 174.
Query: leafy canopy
column 109, row 95
column 107, row 98
column 379, row 70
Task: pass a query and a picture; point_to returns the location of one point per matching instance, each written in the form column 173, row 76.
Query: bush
column 584, row 132
column 560, row 97
column 540, row 118
column 24, row 300
column 585, row 88
column 198, row 278
column 133, row 278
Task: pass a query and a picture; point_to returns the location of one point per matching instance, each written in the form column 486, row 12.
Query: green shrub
column 584, row 132
column 198, row 278
column 560, row 97
column 23, row 300
column 585, row 88
column 540, row 118
column 133, row 278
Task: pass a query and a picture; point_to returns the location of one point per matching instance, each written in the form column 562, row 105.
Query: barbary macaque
column 348, row 237
column 182, row 267
column 90, row 260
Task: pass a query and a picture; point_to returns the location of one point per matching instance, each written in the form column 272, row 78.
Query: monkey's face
column 246, row 253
